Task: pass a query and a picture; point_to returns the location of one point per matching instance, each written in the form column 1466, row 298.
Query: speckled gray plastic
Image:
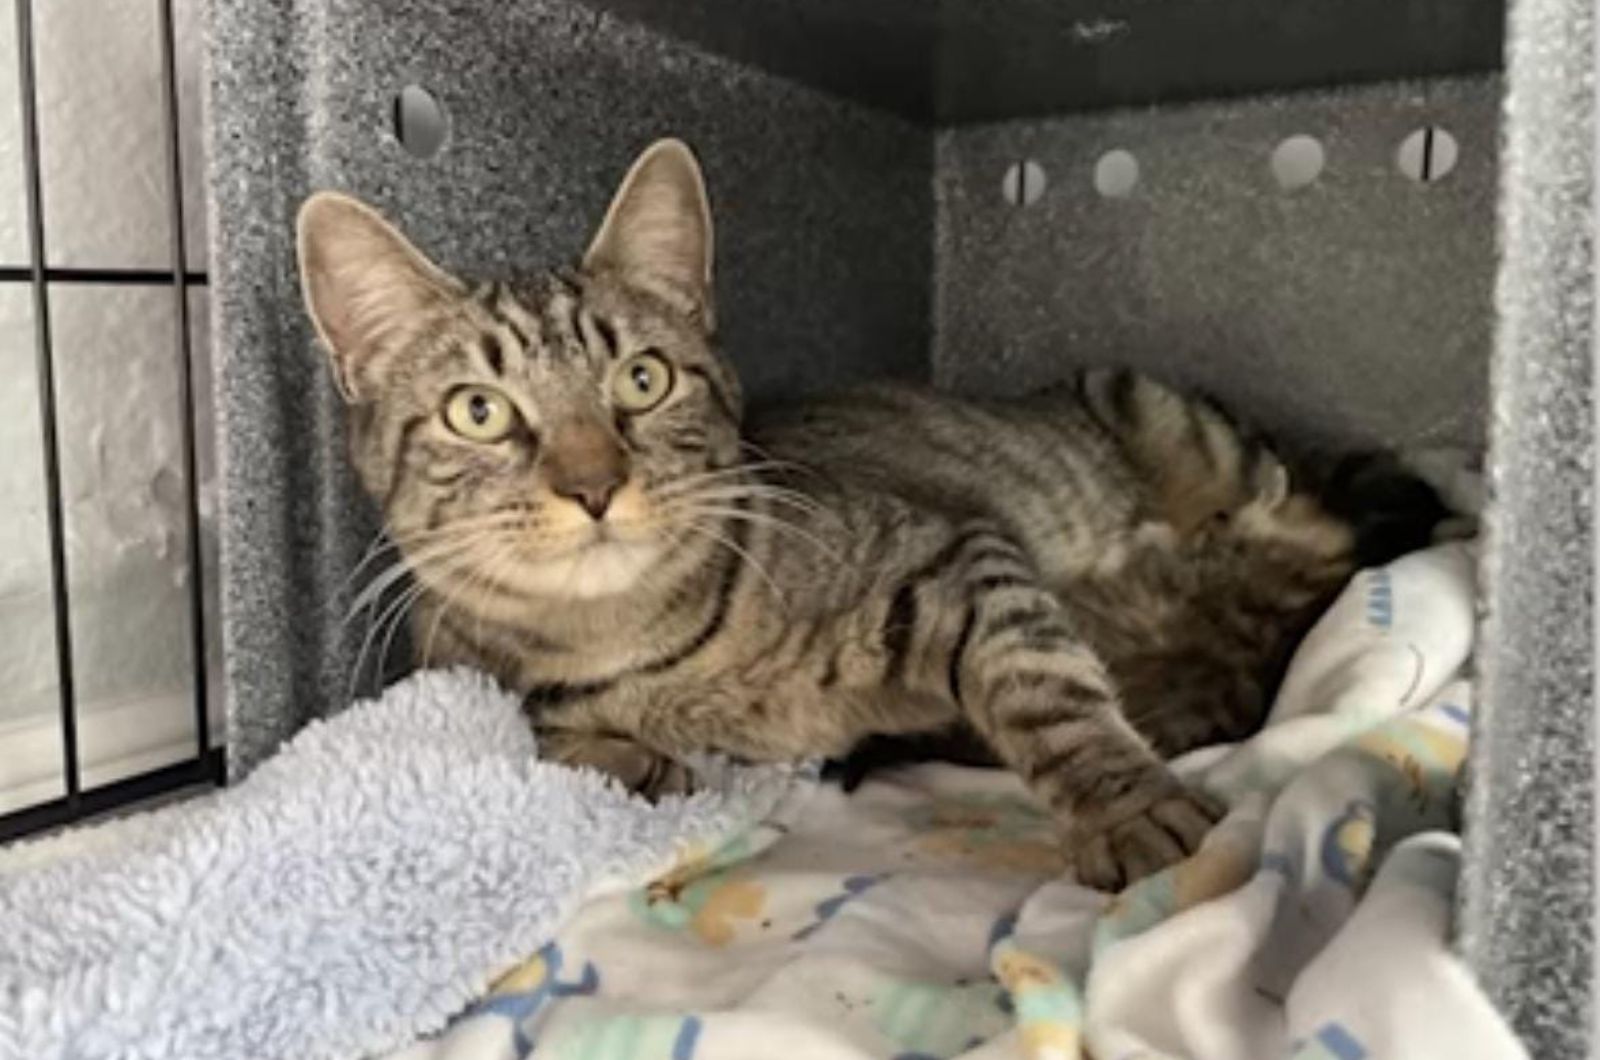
column 1355, row 309
column 1527, row 922
column 1359, row 308
column 824, row 218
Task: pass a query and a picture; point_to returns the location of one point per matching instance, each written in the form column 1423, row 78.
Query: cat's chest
column 756, row 698
column 757, row 720
column 586, row 660
column 534, row 647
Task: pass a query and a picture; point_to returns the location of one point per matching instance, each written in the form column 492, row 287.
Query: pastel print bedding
column 928, row 915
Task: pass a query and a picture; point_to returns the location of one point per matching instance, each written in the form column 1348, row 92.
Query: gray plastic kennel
column 1352, row 221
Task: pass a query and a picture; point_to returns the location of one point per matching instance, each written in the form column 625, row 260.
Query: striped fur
column 1089, row 580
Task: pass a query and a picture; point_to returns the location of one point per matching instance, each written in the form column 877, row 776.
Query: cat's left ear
column 657, row 233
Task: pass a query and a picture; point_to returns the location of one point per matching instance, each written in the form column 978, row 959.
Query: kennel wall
column 942, row 190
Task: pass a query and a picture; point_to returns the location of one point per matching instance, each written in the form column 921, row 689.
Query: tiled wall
column 107, row 205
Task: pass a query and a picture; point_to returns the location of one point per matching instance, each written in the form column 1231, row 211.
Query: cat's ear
column 367, row 288
column 657, row 232
column 1272, row 483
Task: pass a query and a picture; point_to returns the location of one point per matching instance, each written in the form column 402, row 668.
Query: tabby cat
column 1089, row 580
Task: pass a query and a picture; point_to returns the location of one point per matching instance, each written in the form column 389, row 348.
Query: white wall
column 106, row 197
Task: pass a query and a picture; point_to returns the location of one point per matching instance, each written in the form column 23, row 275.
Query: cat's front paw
column 638, row 768
column 666, row 776
column 1139, row 836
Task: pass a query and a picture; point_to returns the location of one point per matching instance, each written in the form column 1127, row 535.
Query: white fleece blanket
column 927, row 915
column 353, row 892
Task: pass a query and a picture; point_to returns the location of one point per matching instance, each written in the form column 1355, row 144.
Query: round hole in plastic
column 420, row 122
column 1023, row 183
column 1298, row 161
column 1116, row 174
column 1427, row 154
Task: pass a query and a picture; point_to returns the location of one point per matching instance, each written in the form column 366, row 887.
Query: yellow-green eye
column 641, row 382
column 479, row 413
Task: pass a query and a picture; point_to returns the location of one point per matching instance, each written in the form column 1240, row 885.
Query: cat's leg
column 1046, row 704
column 635, row 766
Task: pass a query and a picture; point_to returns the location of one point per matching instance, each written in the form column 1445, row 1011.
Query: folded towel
column 352, row 893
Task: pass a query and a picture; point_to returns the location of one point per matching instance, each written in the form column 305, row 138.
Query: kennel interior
column 1354, row 222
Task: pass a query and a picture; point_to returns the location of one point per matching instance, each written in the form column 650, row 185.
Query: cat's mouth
column 608, row 533
column 602, row 534
column 588, row 562
column 607, row 563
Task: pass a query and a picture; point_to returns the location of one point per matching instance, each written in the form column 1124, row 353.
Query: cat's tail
column 1195, row 460
column 1199, row 462
column 1391, row 507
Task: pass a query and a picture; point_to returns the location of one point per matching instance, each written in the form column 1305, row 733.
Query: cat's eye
column 641, row 382
column 479, row 413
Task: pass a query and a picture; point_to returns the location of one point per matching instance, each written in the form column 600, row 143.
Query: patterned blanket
column 928, row 915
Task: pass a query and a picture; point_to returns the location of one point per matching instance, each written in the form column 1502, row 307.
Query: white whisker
column 743, row 554
column 410, row 598
column 773, row 494
column 738, row 471
column 394, row 612
column 473, row 574
column 764, row 519
column 436, row 543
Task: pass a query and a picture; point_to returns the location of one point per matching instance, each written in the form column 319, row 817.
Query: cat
column 1089, row 580
column 1207, row 673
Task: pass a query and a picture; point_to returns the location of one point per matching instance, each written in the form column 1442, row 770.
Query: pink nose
column 585, row 462
column 593, row 495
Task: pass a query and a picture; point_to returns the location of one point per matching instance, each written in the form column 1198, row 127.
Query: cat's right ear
column 366, row 287
column 657, row 232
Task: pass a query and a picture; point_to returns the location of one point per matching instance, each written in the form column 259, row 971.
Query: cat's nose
column 593, row 496
column 585, row 464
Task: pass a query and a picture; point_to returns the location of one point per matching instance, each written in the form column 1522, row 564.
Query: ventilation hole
column 1428, row 154
column 1298, row 161
column 420, row 123
column 1023, row 183
column 1116, row 174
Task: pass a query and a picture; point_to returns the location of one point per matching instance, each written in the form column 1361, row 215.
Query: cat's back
column 1045, row 465
column 1064, row 468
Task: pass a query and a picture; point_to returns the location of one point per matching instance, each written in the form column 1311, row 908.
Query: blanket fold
column 352, row 893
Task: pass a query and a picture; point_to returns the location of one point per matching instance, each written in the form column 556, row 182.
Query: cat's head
column 546, row 435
